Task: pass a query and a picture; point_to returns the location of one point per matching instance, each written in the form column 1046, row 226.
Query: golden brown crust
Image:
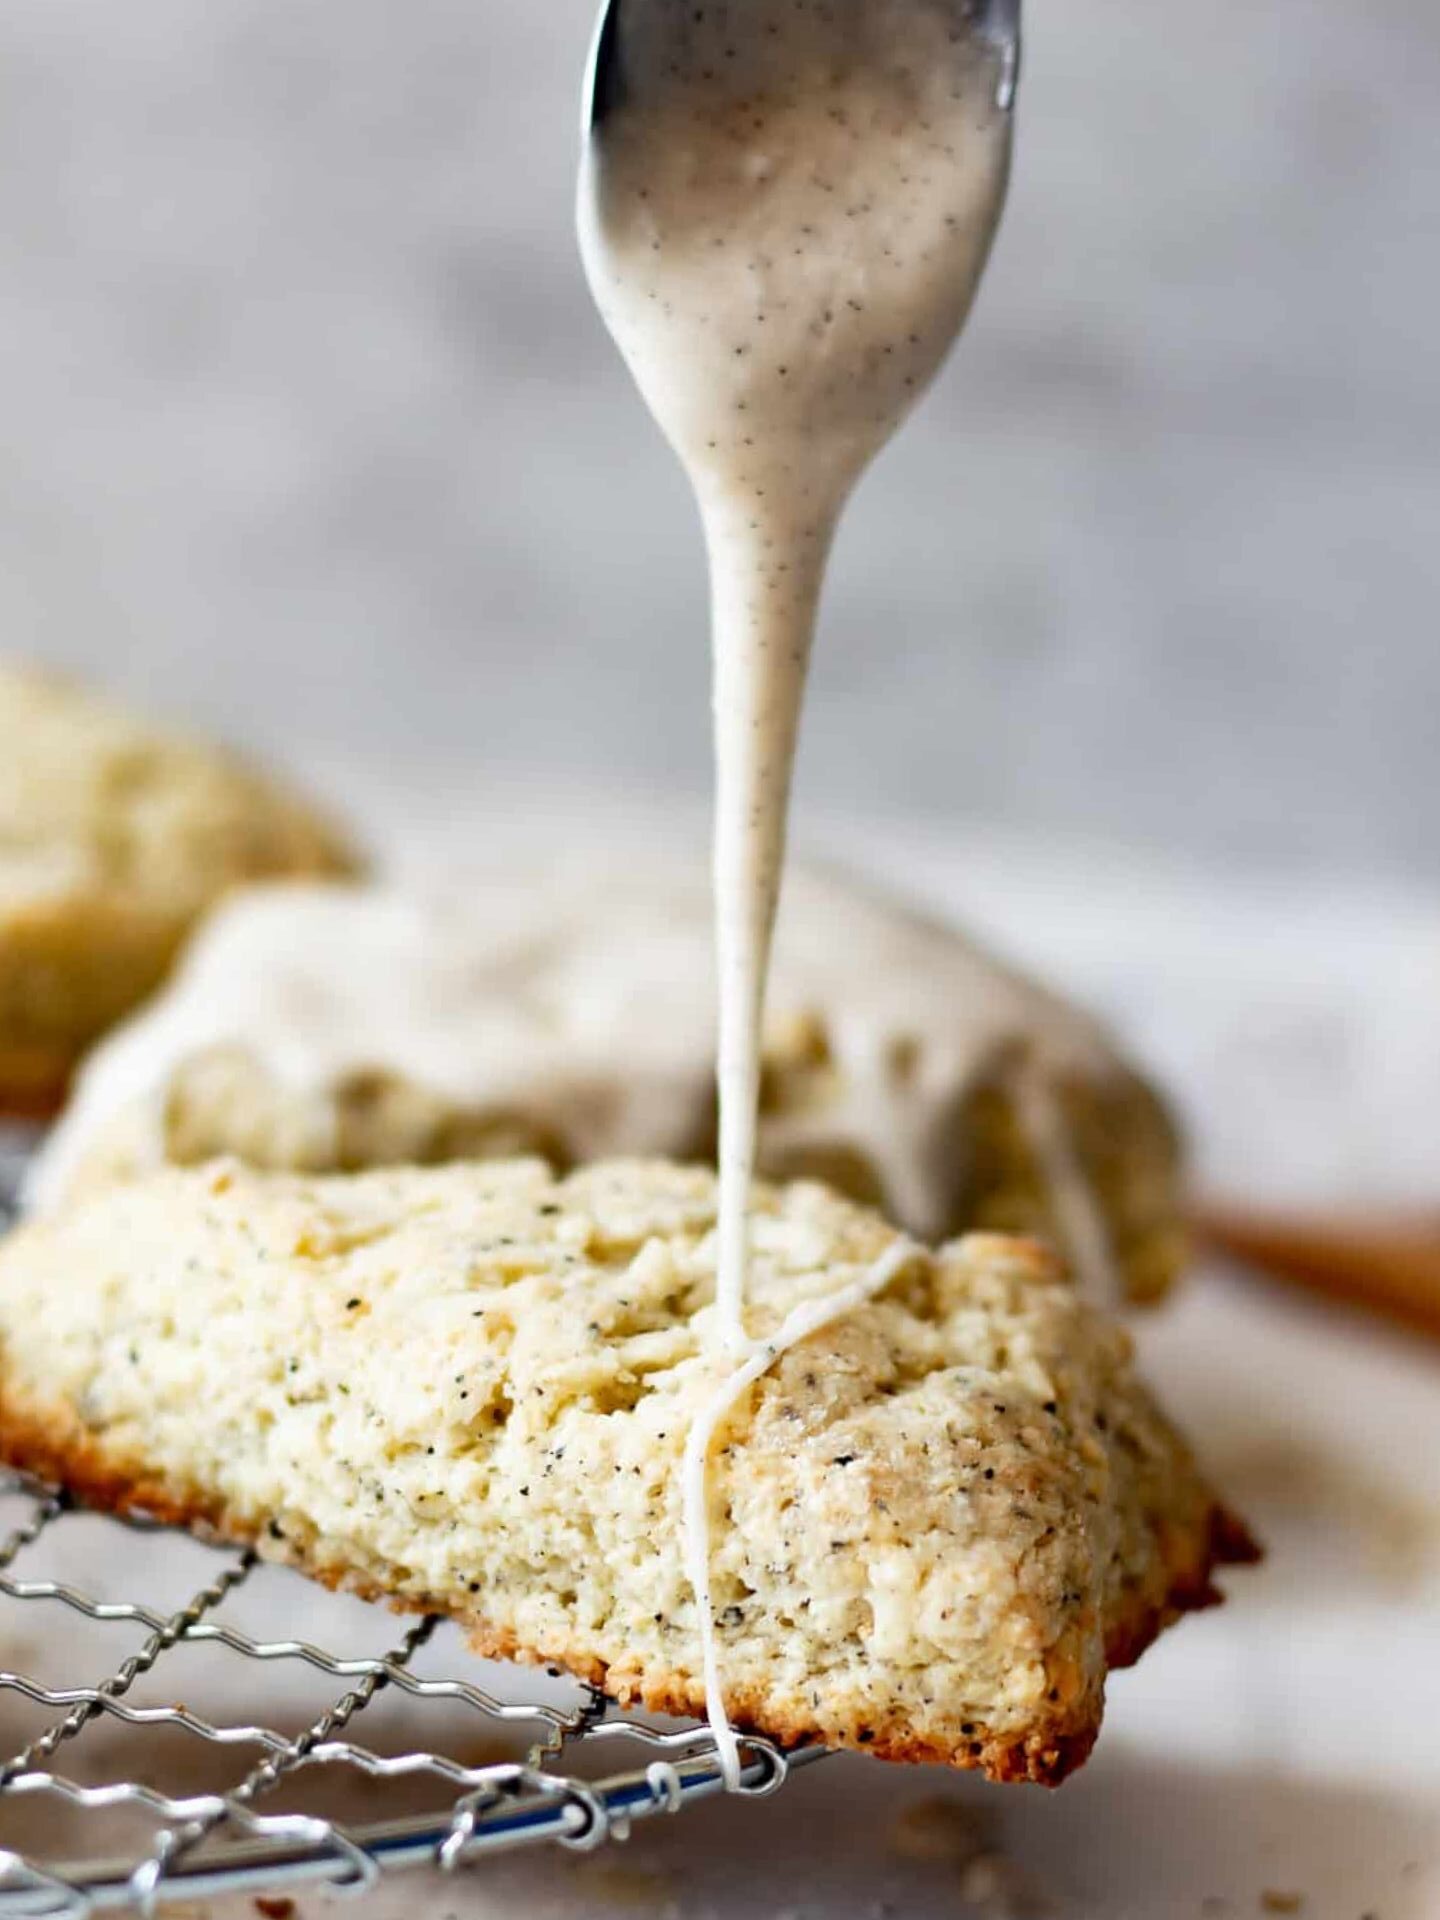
column 60, row 1451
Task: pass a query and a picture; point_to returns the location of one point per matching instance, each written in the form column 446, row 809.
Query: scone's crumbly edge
column 114, row 837
column 934, row 1525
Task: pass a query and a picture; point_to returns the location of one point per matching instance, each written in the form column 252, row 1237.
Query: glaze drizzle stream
column 785, row 210
column 784, row 214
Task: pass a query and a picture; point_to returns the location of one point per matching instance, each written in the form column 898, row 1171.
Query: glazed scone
column 935, row 1524
column 114, row 838
column 565, row 1007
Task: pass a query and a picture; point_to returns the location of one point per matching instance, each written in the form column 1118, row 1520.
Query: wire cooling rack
column 567, row 1782
column 277, row 1763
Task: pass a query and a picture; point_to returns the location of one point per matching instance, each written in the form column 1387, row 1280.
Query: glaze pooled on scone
column 572, row 997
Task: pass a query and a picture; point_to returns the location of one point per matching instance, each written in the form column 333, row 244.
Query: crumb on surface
column 938, row 1830
column 1001, row 1888
column 622, row 1886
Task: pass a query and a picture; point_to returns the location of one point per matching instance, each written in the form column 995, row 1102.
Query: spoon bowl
column 991, row 24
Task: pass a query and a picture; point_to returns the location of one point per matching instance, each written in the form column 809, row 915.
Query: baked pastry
column 564, row 1006
column 934, row 1524
column 114, row 838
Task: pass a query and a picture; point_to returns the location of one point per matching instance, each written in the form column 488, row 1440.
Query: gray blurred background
column 311, row 435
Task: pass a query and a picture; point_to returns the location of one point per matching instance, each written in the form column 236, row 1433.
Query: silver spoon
column 994, row 25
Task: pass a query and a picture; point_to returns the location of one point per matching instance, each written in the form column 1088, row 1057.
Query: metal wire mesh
column 226, row 1839
column 89, row 1824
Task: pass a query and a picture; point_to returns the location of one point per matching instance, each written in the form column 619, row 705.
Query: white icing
column 784, row 217
column 1080, row 1222
column 576, row 992
column 811, row 1316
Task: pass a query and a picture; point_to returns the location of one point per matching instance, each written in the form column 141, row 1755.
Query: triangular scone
column 468, row 1389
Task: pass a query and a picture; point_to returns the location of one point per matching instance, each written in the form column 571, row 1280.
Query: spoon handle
column 1387, row 1264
